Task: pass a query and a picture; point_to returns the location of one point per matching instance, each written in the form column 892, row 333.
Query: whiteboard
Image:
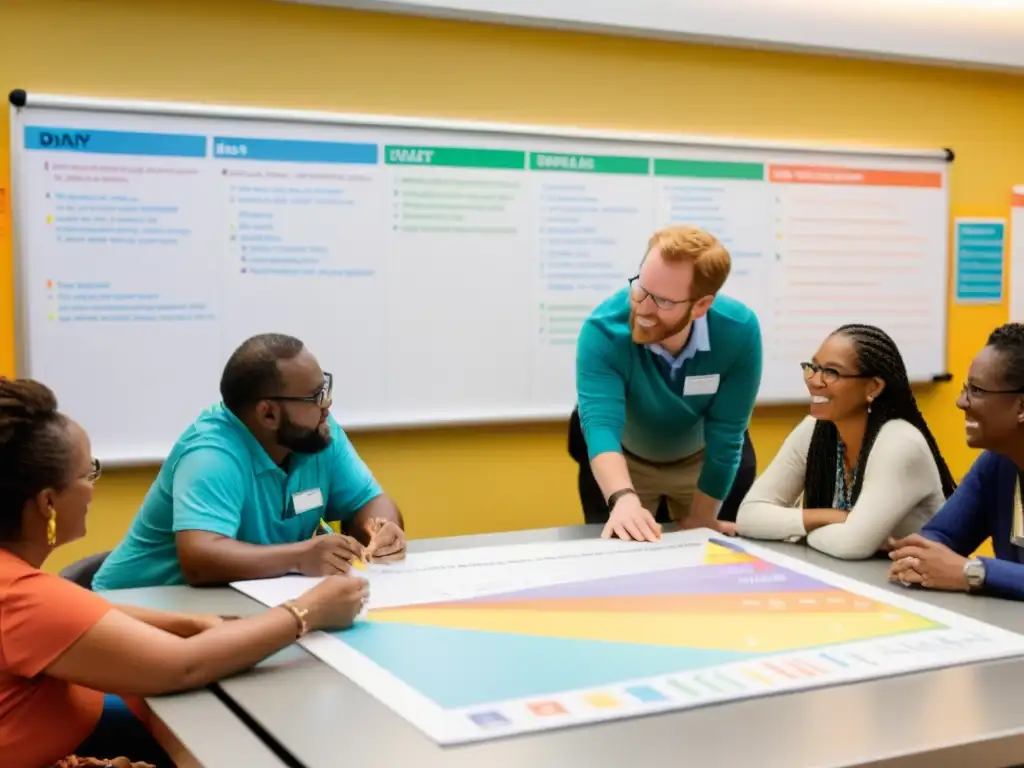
column 440, row 270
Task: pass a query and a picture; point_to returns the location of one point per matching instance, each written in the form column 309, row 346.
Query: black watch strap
column 614, row 498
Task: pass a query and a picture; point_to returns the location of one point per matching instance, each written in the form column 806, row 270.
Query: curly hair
column 1008, row 341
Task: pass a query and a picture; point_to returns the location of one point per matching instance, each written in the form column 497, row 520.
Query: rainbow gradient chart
column 481, row 643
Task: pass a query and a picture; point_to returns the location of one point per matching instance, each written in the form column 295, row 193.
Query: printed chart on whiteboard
column 153, row 241
column 480, row 643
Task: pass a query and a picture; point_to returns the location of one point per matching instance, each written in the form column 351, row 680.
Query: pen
column 325, row 529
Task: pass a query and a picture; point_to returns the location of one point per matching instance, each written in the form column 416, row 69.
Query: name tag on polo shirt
column 701, row 385
column 303, row 501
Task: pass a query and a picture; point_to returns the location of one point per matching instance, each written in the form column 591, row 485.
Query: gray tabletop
column 962, row 716
column 205, row 725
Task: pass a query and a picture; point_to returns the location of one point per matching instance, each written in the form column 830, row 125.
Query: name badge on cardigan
column 700, row 385
column 303, row 501
column 1017, row 529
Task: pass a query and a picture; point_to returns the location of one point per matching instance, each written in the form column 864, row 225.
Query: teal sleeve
column 729, row 415
column 352, row 484
column 208, row 492
column 600, row 391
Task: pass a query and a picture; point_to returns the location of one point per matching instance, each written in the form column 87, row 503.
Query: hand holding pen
column 387, row 541
column 326, row 555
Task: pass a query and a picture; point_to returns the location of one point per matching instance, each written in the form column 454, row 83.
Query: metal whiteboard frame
column 21, row 100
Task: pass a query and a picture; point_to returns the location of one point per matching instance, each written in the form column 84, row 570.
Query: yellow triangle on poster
column 716, row 554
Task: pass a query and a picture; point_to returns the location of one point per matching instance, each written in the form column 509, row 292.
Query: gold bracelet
column 300, row 617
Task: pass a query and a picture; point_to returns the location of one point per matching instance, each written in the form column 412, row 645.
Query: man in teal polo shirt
column 667, row 372
column 245, row 488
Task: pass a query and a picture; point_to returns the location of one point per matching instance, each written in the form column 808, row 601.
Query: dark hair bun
column 24, row 402
column 26, row 398
column 35, row 452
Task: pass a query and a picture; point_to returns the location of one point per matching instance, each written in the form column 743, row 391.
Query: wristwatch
column 618, row 495
column 974, row 574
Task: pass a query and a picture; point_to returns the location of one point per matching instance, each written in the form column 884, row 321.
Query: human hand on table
column 329, row 555
column 724, row 527
column 703, row 513
column 387, row 541
column 335, row 602
column 926, row 563
column 629, row 520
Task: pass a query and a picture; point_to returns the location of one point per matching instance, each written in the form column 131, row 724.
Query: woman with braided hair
column 62, row 646
column 864, row 461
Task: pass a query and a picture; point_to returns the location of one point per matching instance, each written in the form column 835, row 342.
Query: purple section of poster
column 726, row 544
column 697, row 580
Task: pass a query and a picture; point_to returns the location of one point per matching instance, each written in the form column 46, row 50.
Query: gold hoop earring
column 51, row 528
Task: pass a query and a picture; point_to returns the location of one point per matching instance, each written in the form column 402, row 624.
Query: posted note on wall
column 1017, row 253
column 979, row 245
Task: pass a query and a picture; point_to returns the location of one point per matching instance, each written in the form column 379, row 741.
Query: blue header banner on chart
column 88, row 141
column 291, row 151
column 980, row 246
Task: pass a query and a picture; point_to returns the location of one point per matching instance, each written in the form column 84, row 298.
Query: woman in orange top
column 62, row 646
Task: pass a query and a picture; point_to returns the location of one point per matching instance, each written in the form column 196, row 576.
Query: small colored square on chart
column 602, row 700
column 679, row 685
column 645, row 693
column 489, row 719
column 546, row 708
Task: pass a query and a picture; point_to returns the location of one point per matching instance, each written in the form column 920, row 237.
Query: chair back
column 81, row 572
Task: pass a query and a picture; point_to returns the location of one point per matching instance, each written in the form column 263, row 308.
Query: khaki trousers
column 676, row 482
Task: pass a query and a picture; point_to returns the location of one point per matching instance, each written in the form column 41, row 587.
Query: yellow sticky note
column 602, row 700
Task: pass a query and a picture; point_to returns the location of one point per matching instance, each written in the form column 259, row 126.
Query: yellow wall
column 279, row 54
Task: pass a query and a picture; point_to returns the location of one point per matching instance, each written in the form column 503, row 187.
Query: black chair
column 81, row 572
column 595, row 510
